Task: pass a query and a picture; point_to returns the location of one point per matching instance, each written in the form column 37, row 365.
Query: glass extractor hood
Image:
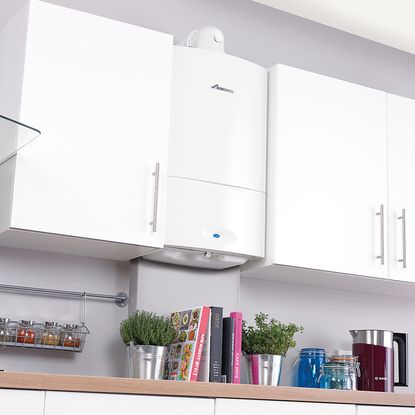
column 13, row 136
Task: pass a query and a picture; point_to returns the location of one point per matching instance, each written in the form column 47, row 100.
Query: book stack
column 207, row 347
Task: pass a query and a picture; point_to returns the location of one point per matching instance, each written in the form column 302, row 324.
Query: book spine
column 201, row 338
column 228, row 349
column 216, row 335
column 237, row 318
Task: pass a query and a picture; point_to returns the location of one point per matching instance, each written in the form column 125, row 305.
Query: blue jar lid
column 312, row 351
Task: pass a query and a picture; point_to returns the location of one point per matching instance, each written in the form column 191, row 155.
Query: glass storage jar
column 26, row 332
column 7, row 333
column 353, row 362
column 50, row 334
column 71, row 336
column 336, row 375
column 310, row 362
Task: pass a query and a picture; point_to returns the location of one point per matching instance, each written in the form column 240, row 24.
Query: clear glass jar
column 310, row 362
column 71, row 336
column 335, row 375
column 26, row 332
column 353, row 362
column 6, row 331
column 50, row 334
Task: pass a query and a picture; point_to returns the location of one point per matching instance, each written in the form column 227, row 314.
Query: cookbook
column 216, row 335
column 237, row 318
column 228, row 349
column 185, row 354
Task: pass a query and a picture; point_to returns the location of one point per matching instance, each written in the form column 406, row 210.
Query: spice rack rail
column 49, row 335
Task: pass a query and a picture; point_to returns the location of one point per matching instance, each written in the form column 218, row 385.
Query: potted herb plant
column 265, row 345
column 147, row 336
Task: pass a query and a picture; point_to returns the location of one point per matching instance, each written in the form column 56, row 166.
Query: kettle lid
column 370, row 336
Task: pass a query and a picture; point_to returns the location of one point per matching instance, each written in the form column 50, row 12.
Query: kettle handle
column 401, row 341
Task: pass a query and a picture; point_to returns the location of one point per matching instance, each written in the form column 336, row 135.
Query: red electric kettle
column 376, row 357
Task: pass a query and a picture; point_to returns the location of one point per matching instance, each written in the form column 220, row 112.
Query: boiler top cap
column 209, row 37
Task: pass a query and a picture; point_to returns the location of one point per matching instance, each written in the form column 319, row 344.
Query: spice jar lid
column 50, row 324
column 26, row 322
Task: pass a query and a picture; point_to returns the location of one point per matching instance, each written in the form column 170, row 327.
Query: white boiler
column 215, row 215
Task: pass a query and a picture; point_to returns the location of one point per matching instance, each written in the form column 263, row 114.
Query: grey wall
column 265, row 36
column 104, row 353
column 164, row 288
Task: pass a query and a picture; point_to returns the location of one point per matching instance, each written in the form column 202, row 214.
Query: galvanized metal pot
column 146, row 362
column 264, row 369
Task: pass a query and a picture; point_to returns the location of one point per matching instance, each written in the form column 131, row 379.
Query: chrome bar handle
column 381, row 215
column 156, row 175
column 403, row 219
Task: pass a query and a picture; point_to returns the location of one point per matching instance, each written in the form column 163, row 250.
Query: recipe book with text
column 237, row 353
column 185, row 354
column 216, row 340
column 228, row 349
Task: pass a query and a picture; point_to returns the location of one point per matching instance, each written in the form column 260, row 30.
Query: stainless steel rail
column 121, row 299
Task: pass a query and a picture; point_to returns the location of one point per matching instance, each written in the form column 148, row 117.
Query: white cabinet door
column 384, row 410
column 327, row 173
column 249, row 407
column 401, row 144
column 64, row 403
column 99, row 91
column 20, row 402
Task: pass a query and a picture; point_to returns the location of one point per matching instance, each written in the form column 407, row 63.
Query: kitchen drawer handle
column 403, row 219
column 156, row 175
column 381, row 215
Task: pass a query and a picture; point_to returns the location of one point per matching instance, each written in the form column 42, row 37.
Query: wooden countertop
column 36, row 381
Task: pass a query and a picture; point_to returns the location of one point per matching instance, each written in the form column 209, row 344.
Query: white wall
column 104, row 352
column 327, row 316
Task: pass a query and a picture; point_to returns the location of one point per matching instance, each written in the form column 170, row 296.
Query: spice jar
column 50, row 335
column 6, row 331
column 71, row 336
column 26, row 332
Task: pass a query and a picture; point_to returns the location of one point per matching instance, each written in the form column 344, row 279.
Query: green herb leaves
column 145, row 328
column 268, row 337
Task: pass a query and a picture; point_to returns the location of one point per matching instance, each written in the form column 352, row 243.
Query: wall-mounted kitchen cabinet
column 401, row 152
column 99, row 90
column 327, row 174
column 340, row 192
